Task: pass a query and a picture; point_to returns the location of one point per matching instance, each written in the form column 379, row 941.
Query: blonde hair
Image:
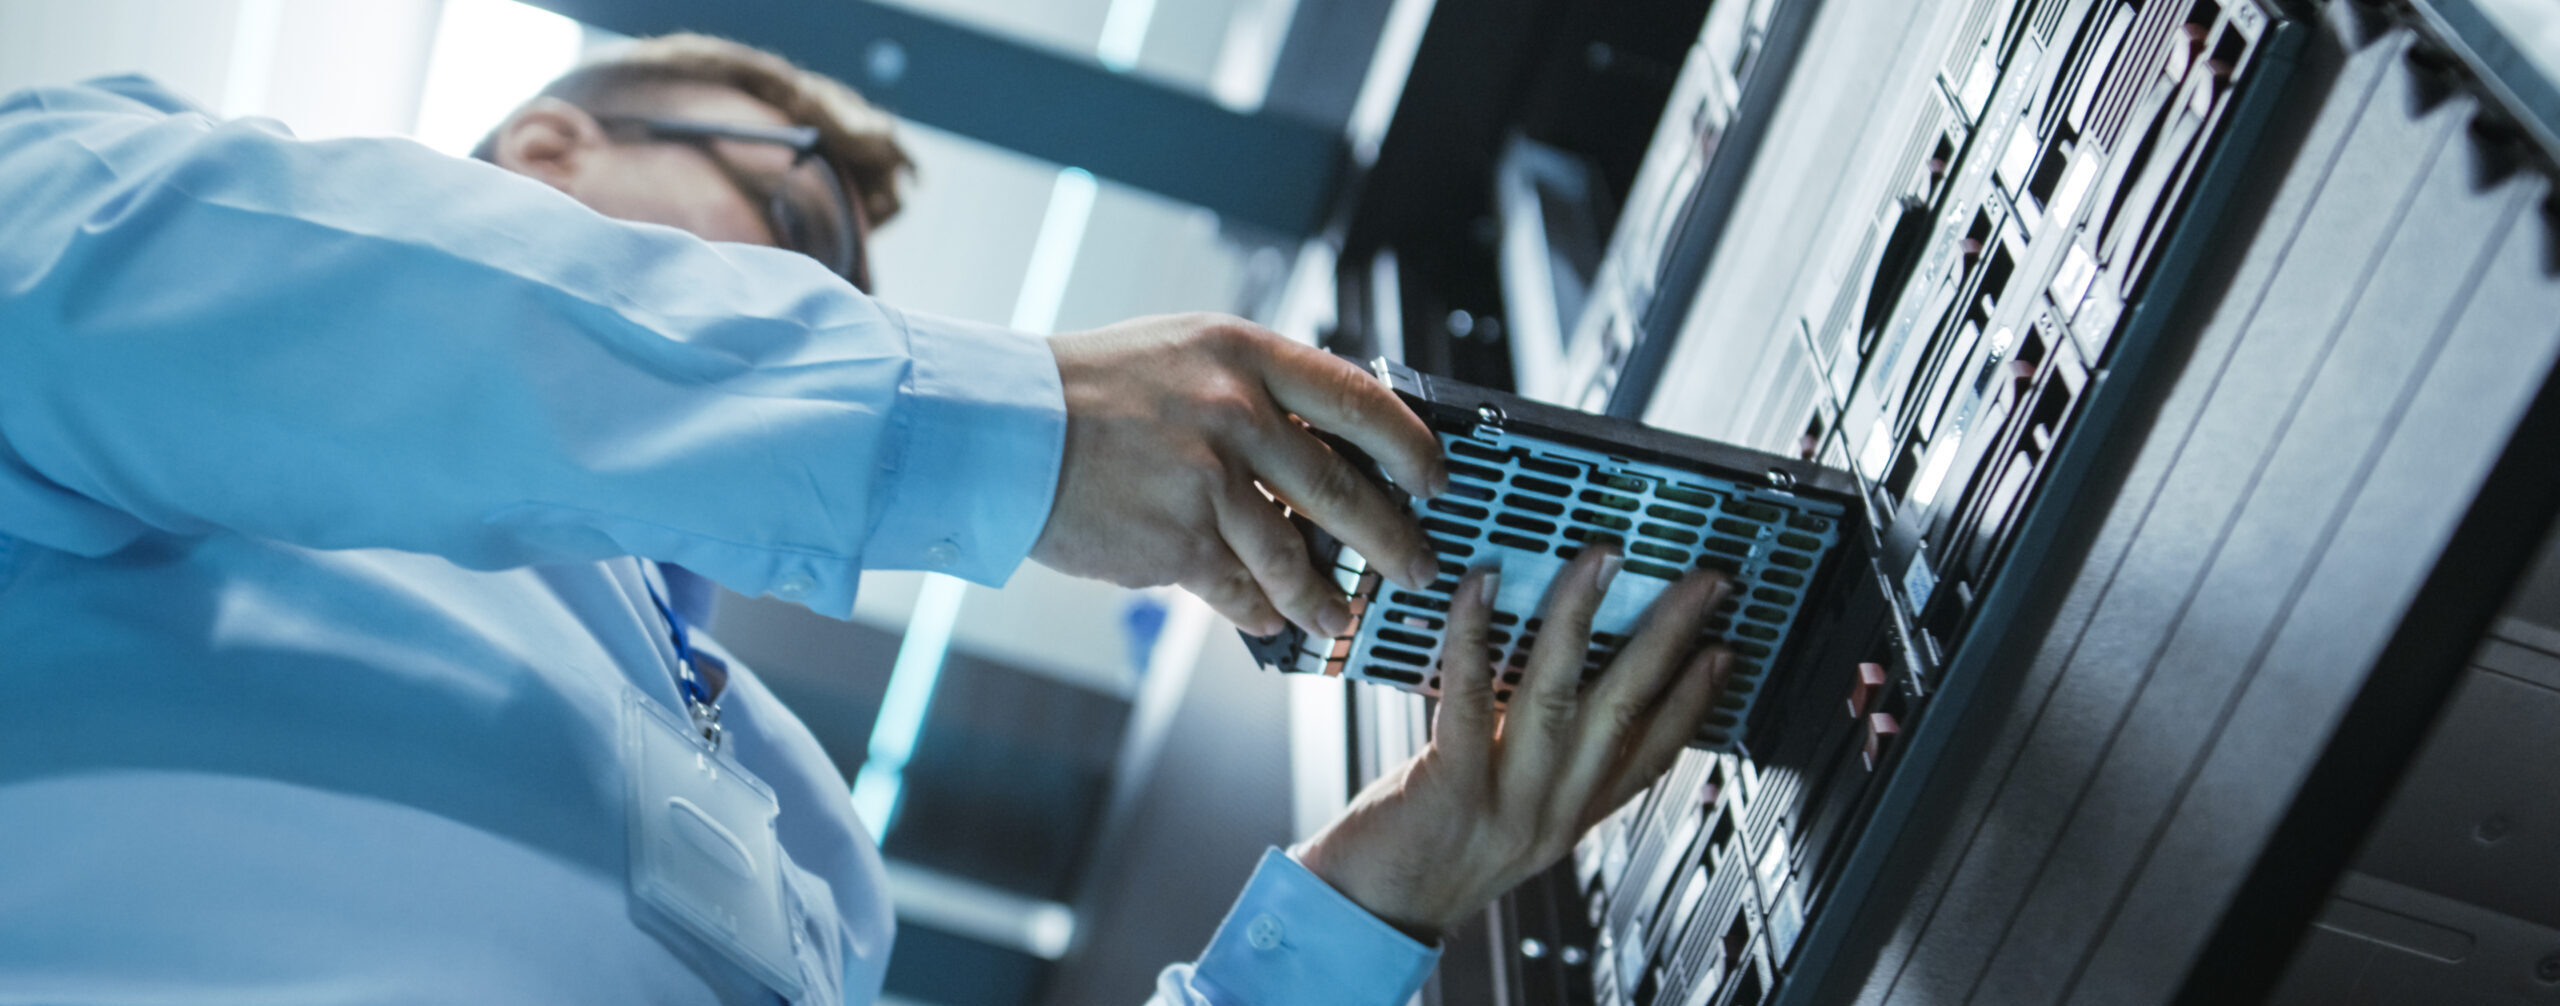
column 854, row 134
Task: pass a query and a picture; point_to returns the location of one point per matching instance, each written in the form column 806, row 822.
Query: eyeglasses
column 806, row 206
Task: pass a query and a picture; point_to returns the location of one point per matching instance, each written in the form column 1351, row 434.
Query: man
column 327, row 471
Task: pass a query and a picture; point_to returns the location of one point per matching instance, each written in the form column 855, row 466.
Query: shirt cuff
column 983, row 431
column 1292, row 938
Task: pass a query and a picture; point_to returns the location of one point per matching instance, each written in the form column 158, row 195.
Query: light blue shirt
column 325, row 470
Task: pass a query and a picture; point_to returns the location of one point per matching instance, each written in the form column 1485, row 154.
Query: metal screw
column 1573, row 956
column 1779, row 479
column 1532, row 949
column 1489, row 414
column 2548, row 968
column 2493, row 829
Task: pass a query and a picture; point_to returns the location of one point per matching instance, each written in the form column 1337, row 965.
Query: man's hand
column 1498, row 797
column 1176, row 428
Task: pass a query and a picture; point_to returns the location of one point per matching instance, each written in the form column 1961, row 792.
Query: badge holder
column 704, row 852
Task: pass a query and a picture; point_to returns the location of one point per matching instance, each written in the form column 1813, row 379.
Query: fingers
column 1463, row 726
column 1231, row 590
column 1625, row 699
column 1276, row 555
column 1542, row 711
column 1323, row 485
column 1675, row 719
column 1340, row 398
column 1669, row 633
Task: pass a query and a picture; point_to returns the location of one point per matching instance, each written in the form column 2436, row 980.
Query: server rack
column 2103, row 307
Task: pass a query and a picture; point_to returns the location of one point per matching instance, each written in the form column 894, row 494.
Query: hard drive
column 1533, row 484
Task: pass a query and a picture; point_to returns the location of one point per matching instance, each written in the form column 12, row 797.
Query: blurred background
column 1070, row 780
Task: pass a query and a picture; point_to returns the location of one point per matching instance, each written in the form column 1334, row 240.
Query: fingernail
column 1424, row 571
column 1439, row 483
column 1334, row 618
column 1609, row 565
column 1489, row 586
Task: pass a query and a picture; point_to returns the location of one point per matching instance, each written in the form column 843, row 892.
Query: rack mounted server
column 2038, row 186
column 2064, row 299
column 2060, row 161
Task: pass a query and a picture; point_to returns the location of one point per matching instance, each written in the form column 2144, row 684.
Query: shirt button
column 795, row 585
column 1264, row 932
column 942, row 553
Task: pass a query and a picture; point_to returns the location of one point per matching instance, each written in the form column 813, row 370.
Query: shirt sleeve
column 364, row 343
column 1292, row 939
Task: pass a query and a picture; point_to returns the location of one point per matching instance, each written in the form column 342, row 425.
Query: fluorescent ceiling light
column 1124, row 32
column 877, row 786
column 1053, row 253
column 253, row 57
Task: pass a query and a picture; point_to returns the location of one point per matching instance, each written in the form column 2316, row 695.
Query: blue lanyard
column 699, row 700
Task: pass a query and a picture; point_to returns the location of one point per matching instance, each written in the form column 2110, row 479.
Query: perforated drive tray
column 1530, row 483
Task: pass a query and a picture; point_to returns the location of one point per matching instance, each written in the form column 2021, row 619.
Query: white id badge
column 704, row 853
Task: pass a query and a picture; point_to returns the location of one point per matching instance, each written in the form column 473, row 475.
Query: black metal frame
column 2376, row 740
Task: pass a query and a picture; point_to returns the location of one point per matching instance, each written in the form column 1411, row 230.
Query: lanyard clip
column 701, row 698
column 699, row 703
